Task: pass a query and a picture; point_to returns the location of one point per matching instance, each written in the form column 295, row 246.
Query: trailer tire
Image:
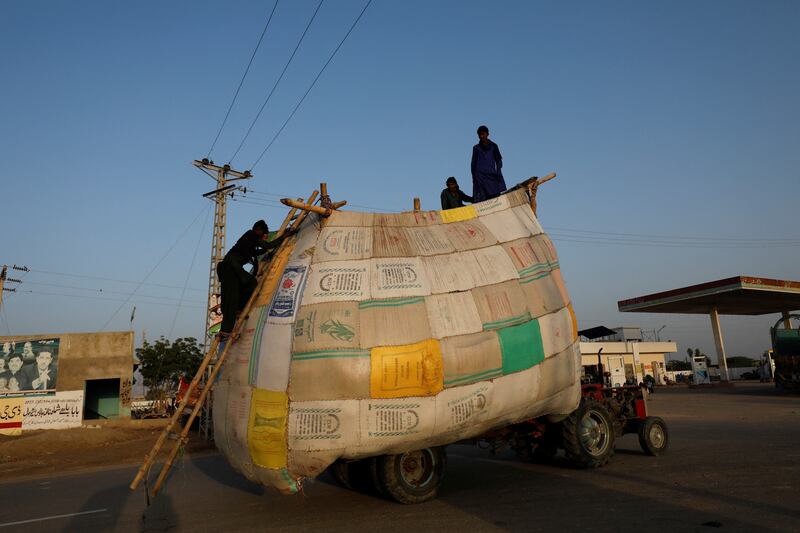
column 340, row 471
column 411, row 477
column 587, row 435
column 353, row 475
column 653, row 436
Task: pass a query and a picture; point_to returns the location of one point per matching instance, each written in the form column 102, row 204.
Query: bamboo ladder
column 182, row 438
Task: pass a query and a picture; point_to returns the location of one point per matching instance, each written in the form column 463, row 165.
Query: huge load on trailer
column 379, row 334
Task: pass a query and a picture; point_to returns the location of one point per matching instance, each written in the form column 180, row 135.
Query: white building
column 624, row 355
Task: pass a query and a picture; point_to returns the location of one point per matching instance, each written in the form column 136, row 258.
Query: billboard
column 57, row 411
column 28, row 367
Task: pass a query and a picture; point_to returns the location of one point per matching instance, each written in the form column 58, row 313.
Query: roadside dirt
column 59, row 451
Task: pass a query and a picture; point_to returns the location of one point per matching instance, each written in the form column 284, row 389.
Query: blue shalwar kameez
column 487, row 174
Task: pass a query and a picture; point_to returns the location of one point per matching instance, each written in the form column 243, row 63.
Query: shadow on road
column 215, row 467
column 535, row 497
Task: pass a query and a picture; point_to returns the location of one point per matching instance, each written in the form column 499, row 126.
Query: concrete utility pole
column 223, row 175
column 2, row 284
column 4, row 277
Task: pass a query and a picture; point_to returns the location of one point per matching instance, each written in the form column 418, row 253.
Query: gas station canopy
column 740, row 295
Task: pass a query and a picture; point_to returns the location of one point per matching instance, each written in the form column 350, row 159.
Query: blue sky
column 676, row 119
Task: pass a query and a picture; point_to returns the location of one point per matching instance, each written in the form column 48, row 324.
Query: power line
column 103, row 291
column 241, row 82
column 84, row 276
column 153, row 269
column 677, row 237
column 663, row 244
column 607, row 237
column 275, row 86
column 281, row 206
column 312, row 84
column 371, row 208
column 188, row 274
column 124, row 301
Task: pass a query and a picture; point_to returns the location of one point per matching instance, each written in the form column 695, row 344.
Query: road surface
column 733, row 465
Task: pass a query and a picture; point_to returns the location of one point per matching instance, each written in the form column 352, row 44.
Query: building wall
column 87, row 356
column 638, row 357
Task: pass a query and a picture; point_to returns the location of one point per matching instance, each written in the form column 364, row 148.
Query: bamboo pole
column 150, row 457
column 302, row 216
column 306, row 207
column 532, row 185
column 182, row 439
column 417, row 205
column 286, row 221
column 337, row 205
column 324, row 198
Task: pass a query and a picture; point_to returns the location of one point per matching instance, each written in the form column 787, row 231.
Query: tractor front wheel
column 653, row 436
column 411, row 477
column 587, row 435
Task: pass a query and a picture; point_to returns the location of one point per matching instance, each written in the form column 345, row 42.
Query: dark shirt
column 487, row 173
column 32, row 373
column 250, row 246
column 22, row 379
column 450, row 201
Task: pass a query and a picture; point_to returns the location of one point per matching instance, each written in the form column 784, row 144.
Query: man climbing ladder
column 238, row 284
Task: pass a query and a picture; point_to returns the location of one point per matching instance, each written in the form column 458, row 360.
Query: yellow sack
column 408, row 370
column 458, row 214
column 266, row 431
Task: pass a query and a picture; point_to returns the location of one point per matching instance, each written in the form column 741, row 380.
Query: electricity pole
column 223, row 176
column 4, row 277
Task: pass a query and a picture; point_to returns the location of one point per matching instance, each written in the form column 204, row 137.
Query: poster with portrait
column 28, row 367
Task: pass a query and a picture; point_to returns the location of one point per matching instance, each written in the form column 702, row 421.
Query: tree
column 163, row 363
column 741, row 362
column 697, row 353
column 678, row 365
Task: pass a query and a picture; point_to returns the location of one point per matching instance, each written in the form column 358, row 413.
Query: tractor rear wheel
column 411, row 477
column 587, row 435
column 653, row 436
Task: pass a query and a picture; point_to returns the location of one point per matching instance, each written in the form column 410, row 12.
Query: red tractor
column 587, row 437
column 588, row 434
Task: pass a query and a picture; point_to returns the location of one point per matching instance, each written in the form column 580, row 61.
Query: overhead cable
column 115, row 280
column 154, row 268
column 124, row 301
column 188, row 274
column 277, row 82
column 241, row 82
column 352, row 26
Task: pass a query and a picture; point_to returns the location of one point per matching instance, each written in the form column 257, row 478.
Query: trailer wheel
column 412, row 477
column 340, row 471
column 588, row 435
column 653, row 436
column 353, row 475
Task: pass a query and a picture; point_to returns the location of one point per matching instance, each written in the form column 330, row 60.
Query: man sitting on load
column 453, row 196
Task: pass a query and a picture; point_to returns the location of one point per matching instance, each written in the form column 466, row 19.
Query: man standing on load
column 238, row 284
column 487, row 164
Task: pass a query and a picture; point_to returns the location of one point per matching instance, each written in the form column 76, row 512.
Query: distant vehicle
column 786, row 354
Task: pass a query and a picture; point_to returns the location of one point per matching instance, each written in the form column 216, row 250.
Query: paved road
column 734, row 465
